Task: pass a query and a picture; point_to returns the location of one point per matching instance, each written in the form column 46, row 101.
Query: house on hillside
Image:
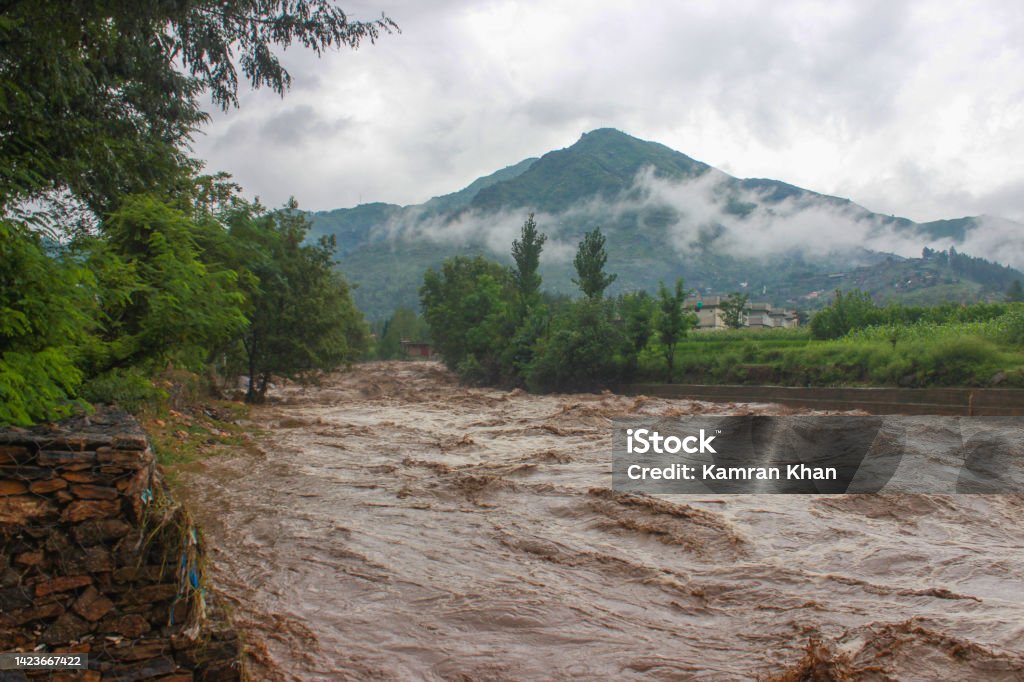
column 756, row 315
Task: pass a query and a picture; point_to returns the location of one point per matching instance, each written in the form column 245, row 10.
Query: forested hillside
column 666, row 215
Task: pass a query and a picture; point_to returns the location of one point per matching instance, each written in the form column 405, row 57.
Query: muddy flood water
column 395, row 525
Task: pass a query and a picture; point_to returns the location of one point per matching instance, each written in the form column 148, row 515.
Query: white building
column 755, row 315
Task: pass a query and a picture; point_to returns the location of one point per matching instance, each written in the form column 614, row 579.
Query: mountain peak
column 606, row 133
column 603, row 162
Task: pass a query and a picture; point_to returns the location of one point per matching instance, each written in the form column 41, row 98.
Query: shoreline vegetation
column 119, row 258
column 492, row 330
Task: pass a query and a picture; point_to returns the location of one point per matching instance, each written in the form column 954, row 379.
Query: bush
column 583, row 350
column 129, row 389
column 965, row 360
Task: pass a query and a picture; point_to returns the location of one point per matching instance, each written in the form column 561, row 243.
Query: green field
column 981, row 353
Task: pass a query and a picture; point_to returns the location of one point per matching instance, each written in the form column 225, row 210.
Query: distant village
column 711, row 316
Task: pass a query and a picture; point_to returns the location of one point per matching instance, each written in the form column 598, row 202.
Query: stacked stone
column 89, row 565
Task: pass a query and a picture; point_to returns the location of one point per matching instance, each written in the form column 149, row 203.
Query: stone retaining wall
column 972, row 402
column 97, row 558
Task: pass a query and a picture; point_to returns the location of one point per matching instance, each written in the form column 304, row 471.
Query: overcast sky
column 911, row 108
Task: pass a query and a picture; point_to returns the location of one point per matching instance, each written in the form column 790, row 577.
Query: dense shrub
column 582, row 350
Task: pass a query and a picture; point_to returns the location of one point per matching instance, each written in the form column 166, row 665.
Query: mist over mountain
column 666, row 215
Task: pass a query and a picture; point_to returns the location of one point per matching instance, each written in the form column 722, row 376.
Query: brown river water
column 394, row 525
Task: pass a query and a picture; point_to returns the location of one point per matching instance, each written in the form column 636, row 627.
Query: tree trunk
column 250, row 351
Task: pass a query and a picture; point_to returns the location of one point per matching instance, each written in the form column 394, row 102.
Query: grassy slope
column 956, row 354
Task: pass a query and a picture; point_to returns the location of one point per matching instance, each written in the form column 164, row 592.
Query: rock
column 210, row 653
column 146, row 670
column 83, row 510
column 98, row 560
column 132, row 625
column 126, row 551
column 77, row 676
column 95, row 532
column 62, row 584
column 25, row 472
column 44, row 612
column 19, row 510
column 129, row 573
column 10, row 487
column 142, row 650
column 17, row 544
column 15, row 599
column 63, row 459
column 117, row 457
column 137, row 483
column 15, row 454
column 30, row 558
column 9, row 577
column 38, row 532
column 152, row 593
column 80, row 648
column 72, row 444
column 92, row 605
column 221, row 671
column 58, row 542
column 65, row 629
column 94, row 492
column 127, row 441
column 179, row 611
column 48, row 486
column 79, row 477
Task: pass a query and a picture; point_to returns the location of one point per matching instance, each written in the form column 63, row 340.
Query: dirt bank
column 399, row 526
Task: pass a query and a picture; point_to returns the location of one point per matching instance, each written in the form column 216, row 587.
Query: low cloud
column 808, row 224
column 495, row 231
column 714, row 212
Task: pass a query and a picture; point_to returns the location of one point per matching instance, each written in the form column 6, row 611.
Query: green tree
column 673, row 322
column 161, row 301
column 301, row 316
column 589, row 262
column 98, row 101
column 579, row 351
column 847, row 311
column 1015, row 293
column 47, row 313
column 468, row 304
column 526, row 254
column 100, row 98
column 732, row 309
column 637, row 310
column 404, row 324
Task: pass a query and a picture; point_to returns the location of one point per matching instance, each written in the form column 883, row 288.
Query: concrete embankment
column 973, row 402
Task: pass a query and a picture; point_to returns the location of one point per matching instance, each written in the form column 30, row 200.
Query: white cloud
column 912, row 108
column 811, row 225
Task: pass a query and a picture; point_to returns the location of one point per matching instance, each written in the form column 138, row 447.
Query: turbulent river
column 392, row 524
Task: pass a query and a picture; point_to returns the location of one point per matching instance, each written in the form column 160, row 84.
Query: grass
column 185, row 436
column 986, row 353
column 185, row 423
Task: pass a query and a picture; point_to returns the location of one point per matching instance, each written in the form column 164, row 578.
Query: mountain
column 664, row 215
